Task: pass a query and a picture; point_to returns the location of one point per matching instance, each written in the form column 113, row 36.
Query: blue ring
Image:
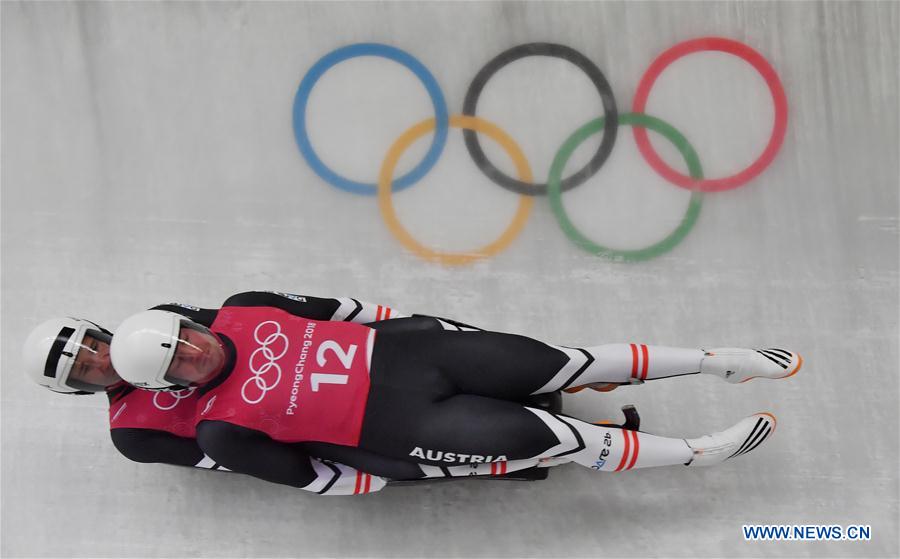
column 391, row 53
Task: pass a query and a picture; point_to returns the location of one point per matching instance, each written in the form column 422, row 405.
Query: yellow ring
column 385, row 178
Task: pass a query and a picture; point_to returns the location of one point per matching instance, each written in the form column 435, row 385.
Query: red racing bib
column 172, row 412
column 294, row 379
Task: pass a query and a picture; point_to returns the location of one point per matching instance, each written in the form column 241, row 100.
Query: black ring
column 542, row 49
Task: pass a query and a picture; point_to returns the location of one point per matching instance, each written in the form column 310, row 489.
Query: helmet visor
column 198, row 356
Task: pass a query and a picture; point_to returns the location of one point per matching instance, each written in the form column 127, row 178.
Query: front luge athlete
column 277, row 387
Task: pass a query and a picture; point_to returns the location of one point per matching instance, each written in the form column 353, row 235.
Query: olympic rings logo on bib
column 263, row 361
column 522, row 184
column 177, row 395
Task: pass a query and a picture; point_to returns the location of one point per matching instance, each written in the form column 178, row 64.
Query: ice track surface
column 149, row 155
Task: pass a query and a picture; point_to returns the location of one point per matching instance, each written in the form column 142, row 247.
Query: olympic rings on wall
column 384, row 51
column 555, row 51
column 524, row 185
column 634, row 120
column 467, row 123
column 778, row 98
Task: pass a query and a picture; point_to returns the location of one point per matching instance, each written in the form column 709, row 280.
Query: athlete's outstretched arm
column 316, row 308
column 254, row 453
column 150, row 446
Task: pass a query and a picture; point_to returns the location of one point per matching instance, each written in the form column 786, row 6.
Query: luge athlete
column 71, row 356
column 274, row 385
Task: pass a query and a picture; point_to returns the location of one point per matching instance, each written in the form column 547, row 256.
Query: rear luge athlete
column 276, row 387
column 71, row 356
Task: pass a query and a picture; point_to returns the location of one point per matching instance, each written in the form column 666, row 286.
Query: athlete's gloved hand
column 338, row 479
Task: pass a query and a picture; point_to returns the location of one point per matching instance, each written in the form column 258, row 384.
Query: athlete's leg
column 364, row 460
column 397, row 469
column 410, row 424
column 489, row 469
column 511, row 367
column 624, row 364
column 467, row 429
column 615, row 449
column 642, row 362
column 416, row 420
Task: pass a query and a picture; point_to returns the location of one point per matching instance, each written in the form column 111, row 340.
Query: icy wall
column 158, row 152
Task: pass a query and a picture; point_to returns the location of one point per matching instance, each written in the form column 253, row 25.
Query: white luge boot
column 740, row 365
column 747, row 435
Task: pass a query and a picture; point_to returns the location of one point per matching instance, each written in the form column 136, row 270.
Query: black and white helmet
column 50, row 351
column 144, row 347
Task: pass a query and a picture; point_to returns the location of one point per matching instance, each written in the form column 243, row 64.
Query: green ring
column 593, row 127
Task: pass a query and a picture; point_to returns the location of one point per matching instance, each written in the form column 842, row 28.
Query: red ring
column 778, row 97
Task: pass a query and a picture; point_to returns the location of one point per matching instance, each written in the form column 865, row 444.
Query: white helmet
column 144, row 346
column 50, row 351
